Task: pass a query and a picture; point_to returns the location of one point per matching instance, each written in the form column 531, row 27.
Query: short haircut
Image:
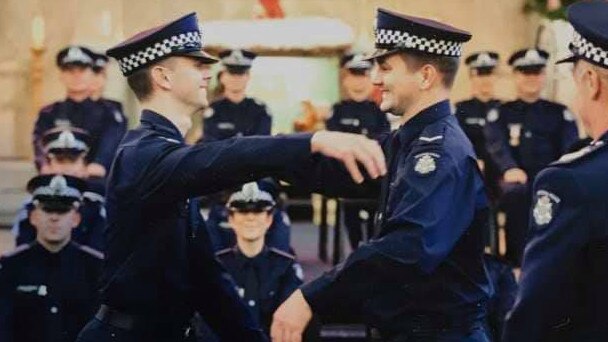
column 141, row 83
column 447, row 66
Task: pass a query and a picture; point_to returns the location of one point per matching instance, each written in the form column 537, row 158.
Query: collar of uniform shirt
column 414, row 126
column 161, row 123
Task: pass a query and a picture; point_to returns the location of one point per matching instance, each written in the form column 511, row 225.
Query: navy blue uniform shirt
column 563, row 287
column 225, row 119
column 471, row 115
column 264, row 281
column 529, row 136
column 159, row 262
column 93, row 116
column 118, row 128
column 47, row 296
column 426, row 263
column 363, row 117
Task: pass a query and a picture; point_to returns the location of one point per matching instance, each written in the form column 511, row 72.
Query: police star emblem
column 425, row 164
column 545, row 207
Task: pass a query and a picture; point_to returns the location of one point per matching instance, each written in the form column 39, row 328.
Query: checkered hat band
column 584, row 48
column 400, row 39
column 165, row 47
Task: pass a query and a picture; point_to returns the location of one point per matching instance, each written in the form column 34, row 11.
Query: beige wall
column 495, row 24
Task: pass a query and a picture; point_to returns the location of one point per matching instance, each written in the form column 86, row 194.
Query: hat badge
column 75, row 54
column 66, row 139
column 251, row 190
column 237, row 55
column 58, row 184
column 484, row 59
column 533, row 55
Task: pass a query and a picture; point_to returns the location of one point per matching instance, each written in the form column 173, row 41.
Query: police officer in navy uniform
column 265, row 275
column 357, row 114
column 65, row 150
column 78, row 110
column 48, row 287
column 277, row 236
column 160, row 266
column 422, row 278
column 235, row 114
column 113, row 108
column 523, row 137
column 562, row 294
column 471, row 113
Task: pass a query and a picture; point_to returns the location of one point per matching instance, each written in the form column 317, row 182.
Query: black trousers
column 98, row 331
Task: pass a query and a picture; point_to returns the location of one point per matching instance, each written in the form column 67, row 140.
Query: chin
column 386, row 106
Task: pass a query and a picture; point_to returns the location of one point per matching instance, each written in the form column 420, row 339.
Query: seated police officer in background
column 562, row 293
column 265, row 276
column 523, row 137
column 160, row 267
column 223, row 236
column 65, row 149
column 422, row 277
column 472, row 113
column 113, row 108
column 235, row 114
column 357, row 114
column 79, row 110
column 48, row 287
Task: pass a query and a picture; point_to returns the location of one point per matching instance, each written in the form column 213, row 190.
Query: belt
column 142, row 324
column 422, row 325
column 116, row 318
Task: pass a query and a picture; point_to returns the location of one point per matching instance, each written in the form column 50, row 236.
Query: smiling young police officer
column 160, row 267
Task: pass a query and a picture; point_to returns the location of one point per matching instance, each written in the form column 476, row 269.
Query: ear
column 76, row 219
column 34, row 217
column 160, row 77
column 428, row 76
column 593, row 83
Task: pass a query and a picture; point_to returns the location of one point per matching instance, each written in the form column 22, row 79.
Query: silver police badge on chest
column 545, row 207
column 425, row 163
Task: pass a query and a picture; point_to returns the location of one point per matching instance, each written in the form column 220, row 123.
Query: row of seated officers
column 513, row 140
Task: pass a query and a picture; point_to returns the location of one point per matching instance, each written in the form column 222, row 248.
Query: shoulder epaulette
column 223, row 251
column 48, row 108
column 17, row 250
column 93, row 197
column 578, row 155
column 282, row 253
column 433, row 134
column 91, row 251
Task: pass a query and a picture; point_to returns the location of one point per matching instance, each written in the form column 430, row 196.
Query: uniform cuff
column 313, row 293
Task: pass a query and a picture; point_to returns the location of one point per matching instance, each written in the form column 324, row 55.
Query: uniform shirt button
column 54, row 309
column 251, row 302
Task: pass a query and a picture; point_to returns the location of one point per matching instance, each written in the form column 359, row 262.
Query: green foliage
column 540, row 7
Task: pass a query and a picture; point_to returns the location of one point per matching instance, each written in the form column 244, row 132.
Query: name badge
column 225, row 125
